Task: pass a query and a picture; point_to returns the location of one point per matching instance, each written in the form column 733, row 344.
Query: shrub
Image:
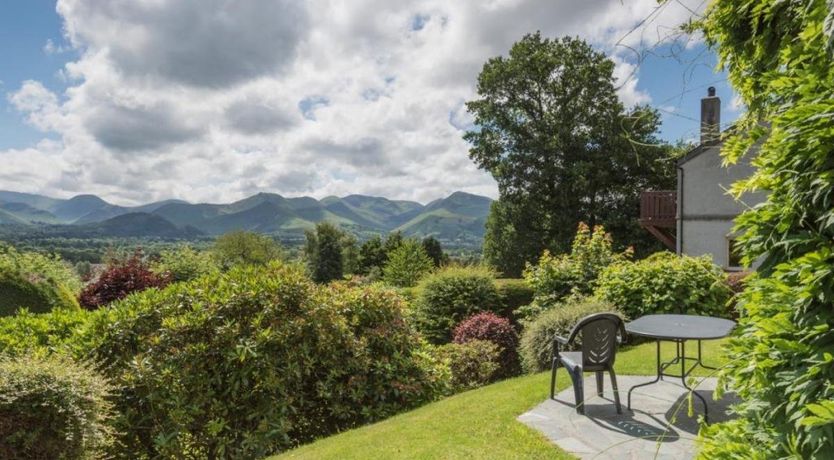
column 255, row 360
column 736, row 282
column 407, row 264
column 450, row 295
column 84, row 269
column 557, row 276
column 184, row 264
column 34, row 281
column 537, row 339
column 40, row 333
column 122, row 277
column 512, row 294
column 472, row 364
column 492, row 328
column 666, row 283
column 52, row 408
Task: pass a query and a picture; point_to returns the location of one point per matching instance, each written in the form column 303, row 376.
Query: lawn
column 476, row 424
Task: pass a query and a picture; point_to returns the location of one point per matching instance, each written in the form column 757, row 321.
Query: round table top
column 680, row 327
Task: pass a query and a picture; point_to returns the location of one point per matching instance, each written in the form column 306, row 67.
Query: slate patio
column 657, row 426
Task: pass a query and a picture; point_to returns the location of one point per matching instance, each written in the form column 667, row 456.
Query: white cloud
column 212, row 100
column 51, row 47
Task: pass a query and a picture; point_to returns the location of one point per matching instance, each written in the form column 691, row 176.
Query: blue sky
column 292, row 97
column 25, row 27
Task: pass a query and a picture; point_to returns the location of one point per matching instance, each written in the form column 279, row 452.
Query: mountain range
column 456, row 220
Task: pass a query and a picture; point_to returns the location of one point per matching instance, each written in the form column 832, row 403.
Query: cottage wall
column 706, row 210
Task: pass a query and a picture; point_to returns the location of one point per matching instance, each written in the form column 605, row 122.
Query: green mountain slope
column 457, row 219
column 23, row 212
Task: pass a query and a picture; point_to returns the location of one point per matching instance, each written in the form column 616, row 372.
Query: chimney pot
column 710, row 117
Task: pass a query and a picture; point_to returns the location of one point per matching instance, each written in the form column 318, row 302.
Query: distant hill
column 457, row 220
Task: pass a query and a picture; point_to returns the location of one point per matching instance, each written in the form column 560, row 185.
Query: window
column 733, row 253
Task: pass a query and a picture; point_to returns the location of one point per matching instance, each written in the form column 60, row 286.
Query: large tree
column 552, row 131
column 324, row 252
column 503, row 248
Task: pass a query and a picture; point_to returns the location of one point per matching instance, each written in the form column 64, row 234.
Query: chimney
column 710, row 117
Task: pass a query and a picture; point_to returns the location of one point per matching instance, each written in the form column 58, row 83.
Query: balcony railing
column 657, row 215
column 658, row 208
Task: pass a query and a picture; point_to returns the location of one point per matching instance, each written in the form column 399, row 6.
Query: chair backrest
column 599, row 339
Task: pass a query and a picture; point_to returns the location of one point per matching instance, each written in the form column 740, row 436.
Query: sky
column 215, row 100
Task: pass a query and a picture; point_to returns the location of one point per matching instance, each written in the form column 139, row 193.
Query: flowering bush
column 492, row 328
column 121, row 278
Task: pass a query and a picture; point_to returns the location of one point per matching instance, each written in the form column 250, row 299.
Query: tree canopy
column 324, row 252
column 407, row 264
column 245, row 248
column 552, row 131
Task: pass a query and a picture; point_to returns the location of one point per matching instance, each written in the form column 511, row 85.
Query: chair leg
column 616, row 390
column 553, row 366
column 599, row 383
column 578, row 389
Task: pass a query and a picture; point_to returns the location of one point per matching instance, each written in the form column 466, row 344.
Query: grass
column 477, row 424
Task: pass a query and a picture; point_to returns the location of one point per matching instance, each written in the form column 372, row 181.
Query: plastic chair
column 599, row 335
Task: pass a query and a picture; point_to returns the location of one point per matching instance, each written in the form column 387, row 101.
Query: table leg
column 657, row 379
column 685, row 374
column 701, row 363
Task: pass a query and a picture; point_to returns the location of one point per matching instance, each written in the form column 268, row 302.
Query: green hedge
column 450, row 295
column 666, row 283
column 536, row 343
column 254, row 361
column 41, row 333
column 512, row 294
column 52, row 408
column 472, row 364
column 34, row 281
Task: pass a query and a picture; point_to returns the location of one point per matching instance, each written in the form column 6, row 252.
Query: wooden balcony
column 658, row 211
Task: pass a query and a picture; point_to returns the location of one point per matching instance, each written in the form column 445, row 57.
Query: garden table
column 679, row 329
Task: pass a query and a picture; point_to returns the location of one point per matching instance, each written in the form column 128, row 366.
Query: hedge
column 512, row 294
column 254, row 361
column 536, row 347
column 666, row 283
column 41, row 333
column 450, row 295
column 53, row 408
column 34, row 281
column 472, row 364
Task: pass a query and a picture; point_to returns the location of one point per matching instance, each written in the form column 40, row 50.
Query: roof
column 697, row 150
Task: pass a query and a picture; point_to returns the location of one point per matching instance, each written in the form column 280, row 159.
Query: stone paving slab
column 657, row 427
